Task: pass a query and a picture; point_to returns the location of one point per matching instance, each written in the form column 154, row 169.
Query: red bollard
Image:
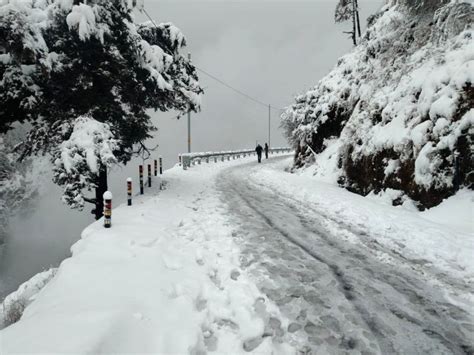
column 107, row 196
column 129, row 191
column 149, row 175
column 155, row 170
column 140, row 171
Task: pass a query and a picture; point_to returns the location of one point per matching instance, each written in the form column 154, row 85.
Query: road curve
column 339, row 297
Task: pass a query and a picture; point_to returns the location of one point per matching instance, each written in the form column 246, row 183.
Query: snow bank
column 441, row 238
column 456, row 212
column 14, row 304
column 165, row 278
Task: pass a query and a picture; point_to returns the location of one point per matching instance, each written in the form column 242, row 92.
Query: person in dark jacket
column 266, row 151
column 259, row 152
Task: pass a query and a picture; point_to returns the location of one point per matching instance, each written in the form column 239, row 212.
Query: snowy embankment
column 397, row 111
column 441, row 237
column 165, row 278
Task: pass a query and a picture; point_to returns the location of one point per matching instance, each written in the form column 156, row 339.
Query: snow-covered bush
column 397, row 112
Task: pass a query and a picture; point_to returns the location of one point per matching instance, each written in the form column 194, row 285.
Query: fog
column 271, row 50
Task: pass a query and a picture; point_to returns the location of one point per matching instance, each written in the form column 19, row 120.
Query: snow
column 158, row 281
column 456, row 212
column 82, row 17
column 108, row 195
column 25, row 293
column 91, row 142
column 171, row 276
column 401, row 229
column 398, row 91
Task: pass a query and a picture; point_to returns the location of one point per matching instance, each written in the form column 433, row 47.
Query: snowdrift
column 397, row 112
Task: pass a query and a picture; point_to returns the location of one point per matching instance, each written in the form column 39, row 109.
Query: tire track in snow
column 421, row 314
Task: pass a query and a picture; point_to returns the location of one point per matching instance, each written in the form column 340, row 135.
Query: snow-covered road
column 338, row 293
column 239, row 257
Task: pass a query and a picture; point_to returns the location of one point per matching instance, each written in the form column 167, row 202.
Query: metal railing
column 189, row 159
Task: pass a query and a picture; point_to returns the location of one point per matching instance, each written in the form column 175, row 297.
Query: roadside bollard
column 161, row 165
column 149, row 175
column 155, row 168
column 129, row 191
column 179, row 160
column 107, row 196
column 140, row 171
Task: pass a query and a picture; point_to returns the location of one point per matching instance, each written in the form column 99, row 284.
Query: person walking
column 259, row 152
column 266, row 151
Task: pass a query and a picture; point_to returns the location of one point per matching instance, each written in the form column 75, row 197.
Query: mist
column 271, row 50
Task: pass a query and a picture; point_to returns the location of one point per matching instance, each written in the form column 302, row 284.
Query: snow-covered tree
column 89, row 147
column 66, row 60
column 349, row 10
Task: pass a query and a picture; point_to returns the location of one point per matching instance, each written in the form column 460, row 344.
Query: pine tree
column 89, row 62
column 349, row 10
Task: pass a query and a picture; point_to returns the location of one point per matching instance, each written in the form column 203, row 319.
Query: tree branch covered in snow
column 64, row 60
column 78, row 159
column 403, row 98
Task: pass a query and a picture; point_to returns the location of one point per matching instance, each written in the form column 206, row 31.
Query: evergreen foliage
column 63, row 61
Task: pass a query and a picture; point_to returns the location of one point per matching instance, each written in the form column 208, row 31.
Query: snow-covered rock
column 396, row 112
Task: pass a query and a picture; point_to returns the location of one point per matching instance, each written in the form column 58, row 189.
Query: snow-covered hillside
column 397, row 112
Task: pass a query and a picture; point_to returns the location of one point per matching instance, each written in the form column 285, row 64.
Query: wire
column 222, row 82
column 236, row 90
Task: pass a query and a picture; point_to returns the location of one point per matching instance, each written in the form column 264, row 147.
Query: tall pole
column 189, row 119
column 269, row 126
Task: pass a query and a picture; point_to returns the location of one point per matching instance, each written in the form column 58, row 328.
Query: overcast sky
column 271, row 50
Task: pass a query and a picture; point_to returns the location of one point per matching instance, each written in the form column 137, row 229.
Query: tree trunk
column 99, row 192
column 354, row 10
column 357, row 17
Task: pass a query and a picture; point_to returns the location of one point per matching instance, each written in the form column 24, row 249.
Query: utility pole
column 189, row 119
column 269, row 125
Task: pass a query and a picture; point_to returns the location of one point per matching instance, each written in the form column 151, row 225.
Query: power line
column 235, row 90
column 222, row 82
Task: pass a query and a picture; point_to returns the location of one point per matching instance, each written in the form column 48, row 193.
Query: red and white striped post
column 140, row 171
column 149, row 175
column 179, row 160
column 129, row 191
column 107, row 196
column 155, row 170
column 161, row 165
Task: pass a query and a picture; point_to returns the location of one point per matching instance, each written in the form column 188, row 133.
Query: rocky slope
column 398, row 111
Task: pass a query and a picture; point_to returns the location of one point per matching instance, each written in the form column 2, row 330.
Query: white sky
column 271, row 50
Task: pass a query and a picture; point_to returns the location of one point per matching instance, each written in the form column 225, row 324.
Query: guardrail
column 188, row 159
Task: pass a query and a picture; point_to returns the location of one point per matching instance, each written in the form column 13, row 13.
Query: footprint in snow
column 171, row 264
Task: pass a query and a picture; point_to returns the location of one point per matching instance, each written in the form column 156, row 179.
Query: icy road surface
column 342, row 291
